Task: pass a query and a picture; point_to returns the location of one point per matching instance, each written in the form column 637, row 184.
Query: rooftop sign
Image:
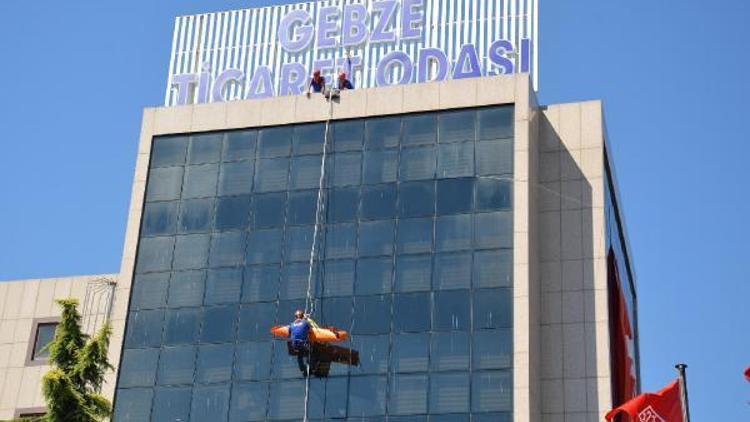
column 265, row 52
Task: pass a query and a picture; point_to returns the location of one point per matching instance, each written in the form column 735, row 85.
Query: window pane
column 255, row 321
column 416, row 199
column 452, row 271
column 382, row 132
column 223, row 286
column 493, row 269
column 410, row 352
column 191, row 252
column 367, row 396
column 200, row 181
column 341, row 240
column 155, row 254
column 240, row 145
column 308, row 139
column 275, row 142
column 335, row 402
column 337, row 312
column 419, row 129
column 453, row 233
column 348, row 134
column 493, row 308
column 248, row 402
column 494, row 230
column 302, row 207
column 195, row 215
column 210, row 402
column 186, row 288
column 451, row 311
column 164, row 184
column 261, row 283
column 381, row 166
column 171, row 404
column 271, row 175
column 494, row 194
column 374, row 276
column 264, row 247
column 339, row 278
column 205, row 148
column 139, row 366
column 373, row 354
column 343, row 204
column 413, row 273
column 411, row 312
column 219, row 324
column 214, row 363
column 298, row 243
column 491, row 391
column 169, row 151
column 149, row 291
column 160, row 218
column 227, row 249
column 456, row 126
column 236, row 178
column 305, row 172
column 417, row 163
column 493, row 349
column 232, row 213
column 182, row 326
column 495, row 157
column 379, row 201
column 176, row 365
column 268, row 210
column 408, row 394
column 284, row 366
column 450, row 351
column 364, row 309
column 283, row 393
column 414, row 236
column 134, row 405
column 253, row 361
column 376, row 238
column 496, row 122
column 294, row 281
column 449, row 393
column 456, row 160
column 347, row 168
column 454, row 196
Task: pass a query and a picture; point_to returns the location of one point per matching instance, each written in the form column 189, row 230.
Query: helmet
column 299, row 314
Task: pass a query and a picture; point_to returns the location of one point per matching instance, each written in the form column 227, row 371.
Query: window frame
column 31, row 348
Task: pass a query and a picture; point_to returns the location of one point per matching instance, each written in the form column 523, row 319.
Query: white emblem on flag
column 649, row 415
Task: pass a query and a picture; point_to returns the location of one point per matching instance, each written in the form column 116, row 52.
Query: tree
column 79, row 363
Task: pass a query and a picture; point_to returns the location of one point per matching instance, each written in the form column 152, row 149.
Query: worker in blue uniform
column 299, row 336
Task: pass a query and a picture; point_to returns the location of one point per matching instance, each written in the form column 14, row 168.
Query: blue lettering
column 409, row 17
column 428, row 56
column 295, row 40
column 388, row 61
column 497, row 53
column 220, row 85
column 327, row 26
column 355, row 29
column 525, row 55
column 293, row 78
column 467, row 63
column 184, row 84
column 387, row 12
column 261, row 85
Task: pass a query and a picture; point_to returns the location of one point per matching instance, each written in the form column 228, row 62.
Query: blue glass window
column 149, row 291
column 453, row 233
column 341, row 239
column 417, row 163
column 416, row 199
column 191, row 252
column 494, row 157
column 450, row 351
column 455, row 196
column 195, row 215
column 139, row 368
column 343, row 204
column 308, row 139
column 186, row 289
column 379, row 201
column 495, row 122
column 493, row 268
column 452, row 271
column 210, row 402
column 272, row 175
column 339, row 278
column 305, row 172
column 248, row 402
column 134, row 404
column 367, row 396
column 253, row 361
column 205, row 148
column 182, row 326
column 411, row 312
column 347, row 168
column 494, row 194
column 491, row 391
column 373, row 354
column 419, row 129
column 264, row 247
column 410, row 352
column 374, row 276
column 413, row 273
column 302, row 207
column 239, row 145
column 200, row 181
column 380, row 166
column 456, row 160
column 236, row 178
column 171, row 404
column 382, row 132
column 160, row 218
column 219, row 324
column 275, row 142
column 232, row 213
column 414, row 236
column 176, row 365
column 456, row 126
column 451, row 311
column 408, row 394
column 376, row 238
column 368, row 311
column 168, row 151
column 255, row 321
column 164, row 184
column 493, row 308
column 493, row 230
column 144, row 328
column 268, row 210
column 281, row 394
column 261, row 283
column 298, row 242
column 214, row 363
column 348, row 135
column 227, row 249
column 449, row 393
column 493, row 349
column 294, row 281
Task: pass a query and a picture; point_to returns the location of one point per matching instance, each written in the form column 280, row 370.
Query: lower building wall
column 23, row 304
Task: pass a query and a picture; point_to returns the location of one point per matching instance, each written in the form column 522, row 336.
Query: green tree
column 79, row 363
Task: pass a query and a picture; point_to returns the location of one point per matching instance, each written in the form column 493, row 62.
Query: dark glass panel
column 253, row 361
column 376, row 238
column 195, row 215
column 341, row 240
column 347, row 168
column 339, row 278
column 414, row 236
column 491, row 391
column 370, row 315
column 144, row 329
column 164, row 184
column 219, row 324
column 275, row 142
column 186, row 289
column 134, row 404
column 452, row 311
column 493, row 349
column 408, row 394
column 456, row 126
column 168, row 151
column 205, row 148
column 374, row 276
column 214, row 363
column 155, row 254
column 302, row 207
column 419, row 129
column 348, row 135
column 493, row 308
column 298, row 243
column 284, row 366
column 294, row 281
column 160, row 218
column 495, row 122
column 416, row 199
column 210, row 402
column 452, row 271
column 305, row 172
column 268, row 210
column 308, row 139
column 373, row 354
column 367, row 396
column 336, row 391
column 413, row 273
column 182, row 326
column 455, row 196
column 256, row 320
column 417, row 163
column 200, row 181
column 493, row 230
column 450, row 351
column 336, row 311
column 248, row 402
column 227, row 249
column 380, row 166
column 494, row 194
column 149, row 291
column 191, row 252
column 171, row 404
column 410, row 352
column 382, row 132
column 449, row 393
column 283, row 393
column 411, row 312
column 456, row 160
column 494, row 157
column 236, row 178
column 453, row 233
column 139, row 368
column 271, row 174
column 261, row 283
column 493, row 268
column 232, row 213
column 264, row 247
column 379, row 201
column 343, row 204
column 240, row 145
column 176, row 365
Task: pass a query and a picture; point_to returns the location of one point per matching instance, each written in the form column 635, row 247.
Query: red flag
column 747, row 374
column 664, row 406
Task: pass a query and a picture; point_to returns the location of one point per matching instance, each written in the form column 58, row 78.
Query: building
column 472, row 244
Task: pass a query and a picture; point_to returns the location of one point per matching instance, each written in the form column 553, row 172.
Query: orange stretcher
column 318, row 334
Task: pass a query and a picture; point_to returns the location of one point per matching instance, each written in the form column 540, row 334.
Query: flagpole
column 681, row 367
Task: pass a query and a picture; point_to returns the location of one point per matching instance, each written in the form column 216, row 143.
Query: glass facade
column 415, row 262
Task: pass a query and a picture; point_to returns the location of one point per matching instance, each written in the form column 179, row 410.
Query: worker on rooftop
column 317, row 83
column 344, row 82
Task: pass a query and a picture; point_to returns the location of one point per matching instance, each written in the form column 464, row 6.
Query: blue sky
column 76, row 75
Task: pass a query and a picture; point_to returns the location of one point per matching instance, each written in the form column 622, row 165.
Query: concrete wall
column 21, row 304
